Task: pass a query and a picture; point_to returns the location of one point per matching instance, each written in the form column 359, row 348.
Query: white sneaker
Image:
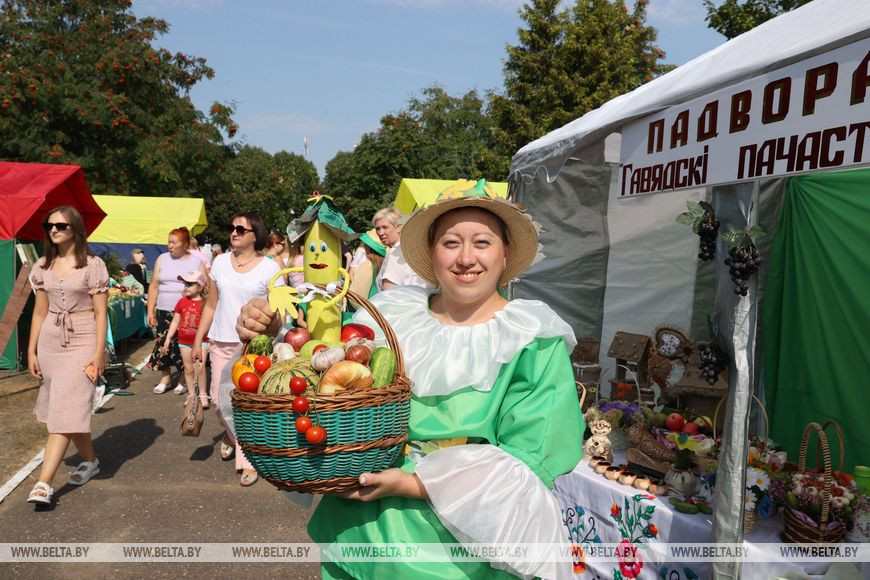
column 179, row 389
column 160, row 388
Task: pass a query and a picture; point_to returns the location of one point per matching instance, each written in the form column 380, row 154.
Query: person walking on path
column 236, row 277
column 164, row 292
column 67, row 349
column 188, row 315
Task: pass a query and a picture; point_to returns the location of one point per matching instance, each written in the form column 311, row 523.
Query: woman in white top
column 236, row 277
column 395, row 271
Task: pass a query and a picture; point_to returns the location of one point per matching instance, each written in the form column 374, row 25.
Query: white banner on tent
column 808, row 116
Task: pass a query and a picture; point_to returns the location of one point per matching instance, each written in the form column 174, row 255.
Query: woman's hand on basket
column 257, row 318
column 393, row 481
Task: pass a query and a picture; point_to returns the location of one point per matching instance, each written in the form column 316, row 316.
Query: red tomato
column 315, row 435
column 298, row 385
column 675, row 422
column 303, row 424
column 353, row 330
column 249, row 382
column 262, row 364
column 300, row 405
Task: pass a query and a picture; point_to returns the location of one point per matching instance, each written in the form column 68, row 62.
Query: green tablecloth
column 126, row 318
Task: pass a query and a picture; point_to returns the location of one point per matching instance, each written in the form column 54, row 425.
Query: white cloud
column 677, row 11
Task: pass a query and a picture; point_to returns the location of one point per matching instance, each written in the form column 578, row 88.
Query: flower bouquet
column 806, row 492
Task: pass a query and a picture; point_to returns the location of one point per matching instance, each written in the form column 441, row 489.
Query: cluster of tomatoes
column 249, row 381
column 623, row 391
column 314, row 434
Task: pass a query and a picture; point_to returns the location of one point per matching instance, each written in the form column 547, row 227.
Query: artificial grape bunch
column 743, row 261
column 713, row 361
column 707, row 231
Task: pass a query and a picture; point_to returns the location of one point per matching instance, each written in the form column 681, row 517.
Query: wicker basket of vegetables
column 315, row 424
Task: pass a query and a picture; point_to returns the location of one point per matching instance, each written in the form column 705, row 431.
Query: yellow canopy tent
column 146, row 220
column 414, row 193
column 143, row 223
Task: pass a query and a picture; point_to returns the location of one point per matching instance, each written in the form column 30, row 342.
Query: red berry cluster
column 313, row 433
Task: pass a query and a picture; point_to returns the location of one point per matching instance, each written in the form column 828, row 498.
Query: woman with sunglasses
column 164, row 292
column 66, row 350
column 236, row 277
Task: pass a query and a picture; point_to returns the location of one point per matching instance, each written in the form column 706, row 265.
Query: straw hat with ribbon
column 523, row 248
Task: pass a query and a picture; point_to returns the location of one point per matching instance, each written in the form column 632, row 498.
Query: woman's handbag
column 193, row 416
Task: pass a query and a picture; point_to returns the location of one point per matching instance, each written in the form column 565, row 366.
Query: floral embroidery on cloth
column 580, row 537
column 634, row 521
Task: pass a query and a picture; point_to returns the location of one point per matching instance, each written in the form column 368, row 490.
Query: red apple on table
column 353, row 330
column 675, row 422
column 296, row 337
column 690, row 429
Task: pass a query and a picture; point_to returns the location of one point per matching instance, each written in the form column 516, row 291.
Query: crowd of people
column 487, row 372
column 193, row 299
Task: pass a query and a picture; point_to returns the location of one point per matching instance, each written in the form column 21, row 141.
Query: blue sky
column 330, row 69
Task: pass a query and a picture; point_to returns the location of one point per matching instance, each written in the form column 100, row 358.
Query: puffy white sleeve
column 483, row 494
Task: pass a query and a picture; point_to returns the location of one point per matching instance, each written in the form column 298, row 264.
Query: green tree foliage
column 272, row 186
column 570, row 61
column 80, row 82
column 437, row 136
column 734, row 17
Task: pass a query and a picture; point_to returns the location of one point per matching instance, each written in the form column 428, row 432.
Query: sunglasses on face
column 61, row 227
column 240, row 230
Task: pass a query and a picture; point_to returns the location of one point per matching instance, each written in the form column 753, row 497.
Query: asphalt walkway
column 155, row 486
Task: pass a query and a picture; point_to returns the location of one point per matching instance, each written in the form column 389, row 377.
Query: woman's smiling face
column 468, row 254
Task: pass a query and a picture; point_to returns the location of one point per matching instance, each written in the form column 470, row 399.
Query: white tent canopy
column 817, row 27
column 625, row 264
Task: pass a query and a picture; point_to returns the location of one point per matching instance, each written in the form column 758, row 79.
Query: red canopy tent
column 28, row 190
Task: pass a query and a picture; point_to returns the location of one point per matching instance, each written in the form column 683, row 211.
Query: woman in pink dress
column 67, row 345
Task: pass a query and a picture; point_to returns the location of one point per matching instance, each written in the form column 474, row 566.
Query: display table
column 596, row 510
column 126, row 318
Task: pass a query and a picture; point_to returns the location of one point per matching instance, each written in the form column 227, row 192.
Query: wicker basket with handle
column 797, row 529
column 366, row 430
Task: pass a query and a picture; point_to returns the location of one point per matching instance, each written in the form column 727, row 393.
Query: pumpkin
column 276, row 380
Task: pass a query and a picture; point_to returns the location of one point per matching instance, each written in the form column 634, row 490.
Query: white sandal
column 84, row 472
column 41, row 494
column 160, row 388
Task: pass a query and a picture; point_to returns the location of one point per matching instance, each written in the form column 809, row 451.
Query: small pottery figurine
column 598, row 444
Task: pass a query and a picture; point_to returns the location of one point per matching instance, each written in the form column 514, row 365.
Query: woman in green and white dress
column 494, row 413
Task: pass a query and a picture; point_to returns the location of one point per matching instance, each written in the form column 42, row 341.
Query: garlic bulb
column 326, row 357
column 282, row 351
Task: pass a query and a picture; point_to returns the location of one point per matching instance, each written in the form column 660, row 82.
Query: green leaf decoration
column 732, row 237
column 686, row 218
column 695, row 208
column 696, row 225
column 650, row 509
column 706, row 206
column 756, row 234
column 646, row 516
column 635, row 497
